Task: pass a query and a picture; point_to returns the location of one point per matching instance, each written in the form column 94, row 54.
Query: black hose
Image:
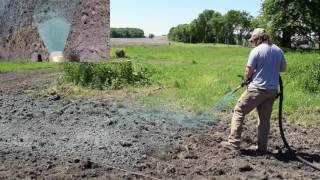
column 286, row 144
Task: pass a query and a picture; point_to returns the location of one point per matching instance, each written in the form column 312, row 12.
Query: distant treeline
column 213, row 27
column 127, row 33
column 291, row 23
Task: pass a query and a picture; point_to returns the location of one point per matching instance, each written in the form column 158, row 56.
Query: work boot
column 257, row 150
column 230, row 146
column 253, row 148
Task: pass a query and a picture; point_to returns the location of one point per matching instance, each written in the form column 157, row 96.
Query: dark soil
column 57, row 138
column 202, row 157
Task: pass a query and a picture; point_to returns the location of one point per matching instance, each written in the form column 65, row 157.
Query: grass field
column 195, row 77
column 21, row 66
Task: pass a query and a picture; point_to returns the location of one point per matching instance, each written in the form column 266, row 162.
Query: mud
column 57, row 138
column 202, row 157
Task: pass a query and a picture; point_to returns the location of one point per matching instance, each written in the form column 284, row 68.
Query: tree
column 231, row 21
column 201, row 26
column 181, row 33
column 313, row 17
column 237, row 26
column 246, row 25
column 286, row 18
column 216, row 26
column 243, row 26
column 212, row 27
column 171, row 34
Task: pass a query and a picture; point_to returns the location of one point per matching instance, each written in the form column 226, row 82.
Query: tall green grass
column 24, row 65
column 302, row 85
column 196, row 76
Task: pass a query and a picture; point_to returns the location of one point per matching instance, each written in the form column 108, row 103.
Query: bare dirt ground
column 156, row 41
column 101, row 139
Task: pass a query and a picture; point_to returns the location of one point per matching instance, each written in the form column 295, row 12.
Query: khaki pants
column 253, row 98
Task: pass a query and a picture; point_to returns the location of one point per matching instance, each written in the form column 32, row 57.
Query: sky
column 158, row 16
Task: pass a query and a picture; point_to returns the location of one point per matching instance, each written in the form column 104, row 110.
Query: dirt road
column 86, row 139
column 156, row 41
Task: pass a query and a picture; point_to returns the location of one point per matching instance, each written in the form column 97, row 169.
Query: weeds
column 312, row 78
column 111, row 75
column 307, row 76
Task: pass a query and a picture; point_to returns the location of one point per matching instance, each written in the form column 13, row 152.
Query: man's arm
column 248, row 72
column 251, row 65
column 283, row 68
column 283, row 65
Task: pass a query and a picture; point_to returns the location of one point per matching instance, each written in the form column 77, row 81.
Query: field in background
column 191, row 76
column 195, row 77
column 21, row 66
column 156, row 41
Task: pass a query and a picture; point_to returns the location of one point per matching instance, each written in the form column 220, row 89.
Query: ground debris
column 245, row 168
column 54, row 97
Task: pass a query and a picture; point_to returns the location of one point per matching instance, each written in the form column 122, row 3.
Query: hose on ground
column 286, row 144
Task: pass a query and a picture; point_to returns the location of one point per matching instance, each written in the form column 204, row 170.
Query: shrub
column 151, row 36
column 112, row 75
column 120, row 54
column 142, row 75
column 307, row 76
column 312, row 77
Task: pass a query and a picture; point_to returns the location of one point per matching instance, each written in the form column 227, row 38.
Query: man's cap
column 257, row 33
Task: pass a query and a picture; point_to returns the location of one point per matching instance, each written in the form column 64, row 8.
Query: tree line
column 213, row 27
column 127, row 33
column 289, row 22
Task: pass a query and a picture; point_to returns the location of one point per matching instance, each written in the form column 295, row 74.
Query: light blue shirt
column 266, row 61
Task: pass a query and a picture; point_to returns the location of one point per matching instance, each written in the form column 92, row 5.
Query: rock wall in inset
column 24, row 44
column 19, row 37
column 90, row 32
column 88, row 39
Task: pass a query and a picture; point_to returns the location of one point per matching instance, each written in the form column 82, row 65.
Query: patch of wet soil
column 81, row 129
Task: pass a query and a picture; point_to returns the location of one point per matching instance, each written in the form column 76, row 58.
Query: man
column 265, row 63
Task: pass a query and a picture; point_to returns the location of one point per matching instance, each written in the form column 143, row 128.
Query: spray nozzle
column 245, row 81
